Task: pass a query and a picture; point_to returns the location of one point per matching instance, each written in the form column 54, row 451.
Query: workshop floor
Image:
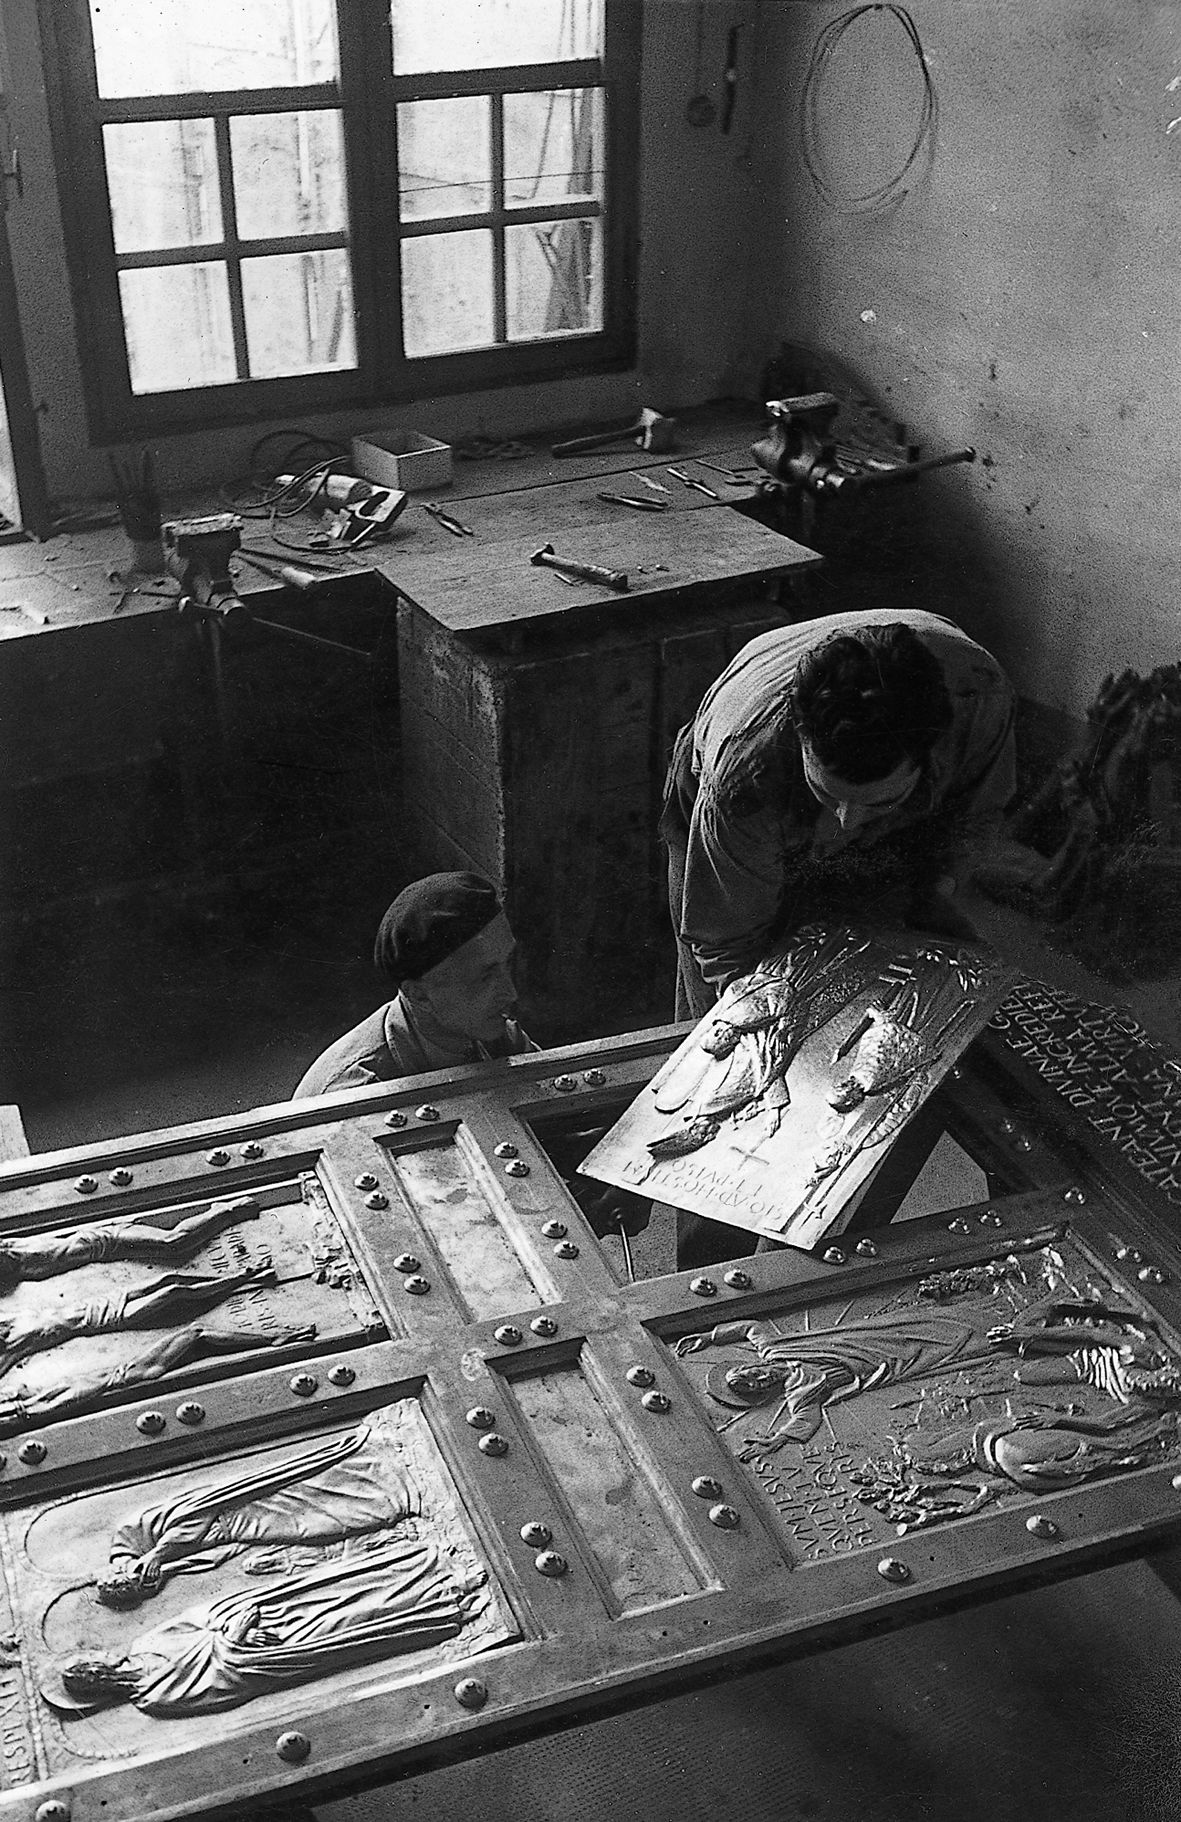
column 1056, row 1705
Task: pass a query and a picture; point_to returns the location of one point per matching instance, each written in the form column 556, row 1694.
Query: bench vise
column 801, row 451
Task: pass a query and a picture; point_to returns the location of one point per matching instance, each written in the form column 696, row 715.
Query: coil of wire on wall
column 894, row 188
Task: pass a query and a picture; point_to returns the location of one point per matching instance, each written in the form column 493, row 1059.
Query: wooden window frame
column 368, row 94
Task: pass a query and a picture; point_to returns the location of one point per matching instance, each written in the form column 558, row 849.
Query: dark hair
column 870, row 701
column 863, row 701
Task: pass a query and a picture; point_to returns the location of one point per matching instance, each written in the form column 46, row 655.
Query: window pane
column 288, row 173
column 174, row 47
column 553, row 145
column 553, row 278
column 444, row 157
column 447, row 292
column 162, row 181
column 464, row 35
column 178, row 326
column 299, row 312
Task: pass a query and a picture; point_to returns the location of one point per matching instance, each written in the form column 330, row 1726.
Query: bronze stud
column 554, row 1230
column 293, row 1748
column 726, row 1518
column 737, row 1280
column 470, row 1692
column 551, row 1563
column 1151, row 1274
column 990, row 1218
column 1008, row 1128
column 1038, row 1525
column 958, row 1226
column 1176, row 1483
column 340, row 1374
column 366, row 1180
column 566, row 1249
column 190, row 1412
column 865, row 1249
column 151, row 1423
column 1021, row 1143
column 120, row 1177
column 640, row 1375
column 86, row 1186
column 656, row 1401
column 834, row 1255
column 480, row 1417
column 217, row 1158
column 703, row 1287
column 395, row 1119
column 252, row 1151
column 416, row 1284
column 535, row 1534
column 406, row 1262
column 53, row 1810
column 32, row 1452
column 427, row 1112
column 706, row 1487
column 378, row 1199
column 565, row 1084
column 1074, row 1195
column 492, row 1444
column 304, row 1384
column 544, row 1326
column 891, row 1569
column 594, row 1078
column 508, row 1335
column 505, row 1149
column 516, row 1167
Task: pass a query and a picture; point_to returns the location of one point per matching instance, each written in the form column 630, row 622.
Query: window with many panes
column 278, row 205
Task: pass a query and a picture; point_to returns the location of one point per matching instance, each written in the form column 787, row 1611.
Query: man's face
column 858, row 806
column 472, row 991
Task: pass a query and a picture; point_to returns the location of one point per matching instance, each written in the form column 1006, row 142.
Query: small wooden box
column 402, row 458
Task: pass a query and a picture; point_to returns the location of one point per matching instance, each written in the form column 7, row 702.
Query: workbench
column 435, row 1290
column 534, row 717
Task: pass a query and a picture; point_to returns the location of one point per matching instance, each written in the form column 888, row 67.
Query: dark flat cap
column 430, row 920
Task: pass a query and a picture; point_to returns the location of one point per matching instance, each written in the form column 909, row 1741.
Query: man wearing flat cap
column 445, row 944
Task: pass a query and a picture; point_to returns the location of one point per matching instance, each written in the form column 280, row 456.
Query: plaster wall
column 694, row 225
column 1021, row 297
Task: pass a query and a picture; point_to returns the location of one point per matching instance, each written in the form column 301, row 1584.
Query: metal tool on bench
column 678, row 474
column 588, row 572
column 652, row 430
column 447, row 520
column 365, row 507
column 630, row 499
column 197, row 553
column 800, row 451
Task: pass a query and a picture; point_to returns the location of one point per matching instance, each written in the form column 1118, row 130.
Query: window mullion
column 229, row 216
column 499, row 281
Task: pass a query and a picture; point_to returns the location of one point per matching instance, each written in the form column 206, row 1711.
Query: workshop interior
column 420, row 426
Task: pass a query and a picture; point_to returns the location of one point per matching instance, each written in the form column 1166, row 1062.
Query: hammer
column 651, row 430
column 590, row 572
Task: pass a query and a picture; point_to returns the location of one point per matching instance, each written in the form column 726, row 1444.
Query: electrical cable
column 893, row 189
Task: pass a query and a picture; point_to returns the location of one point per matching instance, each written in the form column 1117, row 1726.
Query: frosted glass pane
column 553, row 278
column 177, row 320
column 481, row 34
column 553, row 145
column 180, row 47
column 288, row 173
column 299, row 313
column 444, row 157
column 162, row 182
column 447, row 292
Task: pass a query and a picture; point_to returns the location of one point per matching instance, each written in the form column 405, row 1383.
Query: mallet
column 651, row 431
column 589, row 572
